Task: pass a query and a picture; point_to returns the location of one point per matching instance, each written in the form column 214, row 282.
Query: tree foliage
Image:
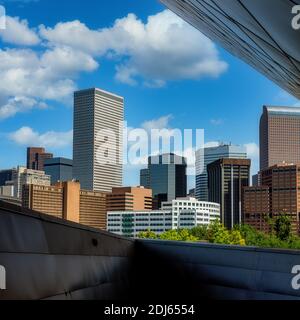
column 147, row 235
column 280, row 236
column 283, row 227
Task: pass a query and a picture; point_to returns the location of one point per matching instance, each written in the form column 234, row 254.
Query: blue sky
column 168, row 73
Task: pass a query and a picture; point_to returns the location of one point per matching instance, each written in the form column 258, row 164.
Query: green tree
column 171, row 235
column 217, row 233
column 200, row 232
column 185, row 235
column 283, row 227
column 147, row 235
column 236, row 238
column 178, row 235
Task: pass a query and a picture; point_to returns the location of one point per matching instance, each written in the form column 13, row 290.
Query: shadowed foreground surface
column 47, row 258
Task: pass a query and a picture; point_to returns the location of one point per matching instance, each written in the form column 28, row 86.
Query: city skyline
column 163, row 106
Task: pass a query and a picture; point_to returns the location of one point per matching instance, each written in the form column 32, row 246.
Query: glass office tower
column 166, row 176
column 212, row 154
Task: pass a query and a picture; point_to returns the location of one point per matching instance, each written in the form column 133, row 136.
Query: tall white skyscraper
column 98, row 139
column 212, row 154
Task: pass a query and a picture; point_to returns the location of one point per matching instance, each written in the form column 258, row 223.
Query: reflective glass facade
column 166, row 176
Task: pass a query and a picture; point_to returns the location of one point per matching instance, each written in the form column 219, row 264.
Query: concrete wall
column 47, row 258
column 196, row 271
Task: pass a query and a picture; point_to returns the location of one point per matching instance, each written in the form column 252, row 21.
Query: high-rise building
column 277, row 195
column 167, row 177
column 24, row 176
column 36, row 158
column 192, row 193
column 210, row 155
column 129, row 199
column 248, row 29
column 145, row 178
column 226, row 179
column 279, row 136
column 256, row 207
column 98, row 139
column 256, row 180
column 184, row 213
column 60, row 169
column 65, row 200
column 6, row 175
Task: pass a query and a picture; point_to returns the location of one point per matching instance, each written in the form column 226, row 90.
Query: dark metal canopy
column 258, row 31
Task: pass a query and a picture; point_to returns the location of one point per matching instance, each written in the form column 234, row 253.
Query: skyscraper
column 36, row 158
column 167, row 177
column 278, row 194
column 212, row 154
column 60, row 169
column 226, row 179
column 98, row 139
column 279, row 136
column 6, row 175
column 145, row 178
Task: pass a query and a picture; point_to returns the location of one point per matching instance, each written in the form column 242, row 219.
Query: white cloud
column 18, row 32
column 252, row 150
column 26, row 135
column 19, row 104
column 216, row 122
column 160, row 123
column 253, row 154
column 162, row 49
column 39, row 77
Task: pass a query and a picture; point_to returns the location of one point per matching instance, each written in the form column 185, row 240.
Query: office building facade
column 188, row 212
column 23, row 176
column 98, row 140
column 66, row 200
column 36, row 158
column 251, row 30
column 210, row 155
column 279, row 136
column 277, row 195
column 226, row 180
column 256, row 207
column 145, row 178
column 7, row 191
column 256, row 180
column 60, row 169
column 167, row 177
column 129, row 199
column 6, row 175
column 185, row 213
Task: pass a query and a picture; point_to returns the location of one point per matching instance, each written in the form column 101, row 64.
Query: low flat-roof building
column 183, row 213
column 129, row 199
column 66, row 201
